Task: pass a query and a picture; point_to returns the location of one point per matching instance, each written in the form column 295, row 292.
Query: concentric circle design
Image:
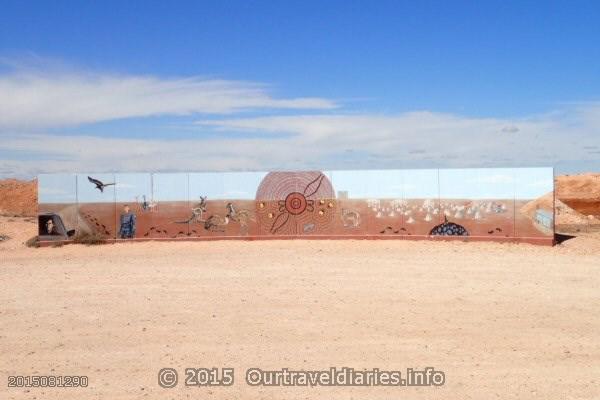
column 295, row 203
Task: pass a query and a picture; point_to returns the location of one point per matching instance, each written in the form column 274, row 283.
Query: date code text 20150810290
column 62, row 381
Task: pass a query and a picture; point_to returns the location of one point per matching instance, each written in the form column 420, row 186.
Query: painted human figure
column 50, row 228
column 127, row 228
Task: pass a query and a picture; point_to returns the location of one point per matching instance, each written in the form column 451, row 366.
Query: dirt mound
column 586, row 243
column 546, row 202
column 565, row 215
column 580, row 187
column 580, row 192
column 577, row 201
column 18, row 197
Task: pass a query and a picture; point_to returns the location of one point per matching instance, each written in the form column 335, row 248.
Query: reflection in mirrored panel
column 473, row 204
column 352, row 201
column 421, row 205
column 241, row 185
column 240, row 188
column 96, row 188
column 57, row 206
column 97, row 212
column 534, row 202
column 57, row 188
column 173, row 216
column 386, row 212
column 207, row 185
column 135, row 205
column 478, row 200
column 295, row 203
column 224, row 203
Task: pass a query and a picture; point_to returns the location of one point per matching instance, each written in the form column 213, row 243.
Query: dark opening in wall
column 51, row 226
column 449, row 229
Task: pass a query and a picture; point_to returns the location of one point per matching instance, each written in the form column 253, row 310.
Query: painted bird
column 99, row 185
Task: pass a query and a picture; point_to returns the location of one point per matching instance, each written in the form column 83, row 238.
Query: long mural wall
column 467, row 204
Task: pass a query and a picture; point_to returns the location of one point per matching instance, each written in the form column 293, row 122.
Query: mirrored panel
column 208, row 204
column 420, row 207
column 96, row 197
column 387, row 210
column 295, row 203
column 534, row 203
column 173, row 217
column 239, row 201
column 477, row 203
column 135, row 205
column 353, row 204
column 490, row 204
column 57, row 206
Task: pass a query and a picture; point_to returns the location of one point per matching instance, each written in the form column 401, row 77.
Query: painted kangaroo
column 242, row 217
column 217, row 223
column 197, row 212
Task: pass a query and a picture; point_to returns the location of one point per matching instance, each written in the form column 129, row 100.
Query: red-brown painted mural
column 463, row 204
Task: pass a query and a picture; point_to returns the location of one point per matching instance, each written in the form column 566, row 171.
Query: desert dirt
column 18, row 197
column 502, row 321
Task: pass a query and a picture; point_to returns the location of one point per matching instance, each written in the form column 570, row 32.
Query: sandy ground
column 501, row 320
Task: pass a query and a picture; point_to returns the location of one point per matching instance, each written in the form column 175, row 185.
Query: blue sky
column 217, row 86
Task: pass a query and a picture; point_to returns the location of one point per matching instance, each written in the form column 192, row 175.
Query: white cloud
column 322, row 141
column 98, row 154
column 445, row 139
column 63, row 98
column 31, row 99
